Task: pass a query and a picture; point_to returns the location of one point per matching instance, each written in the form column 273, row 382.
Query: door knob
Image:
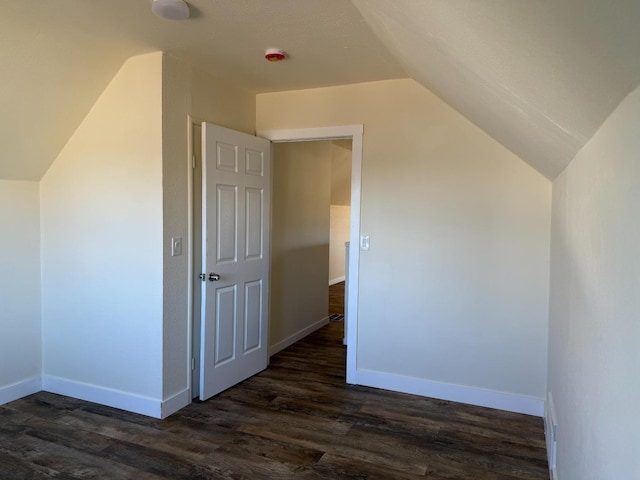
column 214, row 277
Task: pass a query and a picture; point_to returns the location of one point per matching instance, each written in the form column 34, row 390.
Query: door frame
column 355, row 134
column 191, row 165
column 346, row 132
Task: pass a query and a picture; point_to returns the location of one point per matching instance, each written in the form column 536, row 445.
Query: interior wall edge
column 175, row 402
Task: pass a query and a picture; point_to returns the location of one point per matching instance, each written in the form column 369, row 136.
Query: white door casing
column 355, row 133
column 236, row 199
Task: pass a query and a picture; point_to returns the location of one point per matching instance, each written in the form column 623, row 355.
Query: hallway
column 336, row 298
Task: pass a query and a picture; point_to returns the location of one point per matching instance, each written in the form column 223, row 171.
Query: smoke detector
column 274, row 55
column 170, row 9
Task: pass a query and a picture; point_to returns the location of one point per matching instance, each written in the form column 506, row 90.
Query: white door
column 236, row 183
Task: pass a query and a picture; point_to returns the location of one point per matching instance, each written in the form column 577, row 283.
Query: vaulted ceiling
column 539, row 76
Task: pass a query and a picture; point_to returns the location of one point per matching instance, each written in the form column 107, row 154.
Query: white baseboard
column 290, row 340
column 104, row 396
column 454, row 393
column 336, row 280
column 175, row 402
column 9, row 393
column 551, row 434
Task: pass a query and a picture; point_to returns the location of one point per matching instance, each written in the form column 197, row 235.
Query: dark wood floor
column 336, row 298
column 295, row 420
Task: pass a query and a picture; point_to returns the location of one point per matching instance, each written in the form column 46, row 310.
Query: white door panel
column 236, row 200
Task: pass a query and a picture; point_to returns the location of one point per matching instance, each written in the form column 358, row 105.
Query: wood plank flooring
column 336, row 298
column 296, row 420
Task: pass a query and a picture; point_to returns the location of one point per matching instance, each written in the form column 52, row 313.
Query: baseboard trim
column 337, row 280
column 454, row 393
column 17, row 390
column 281, row 345
column 103, row 396
column 174, row 403
column 551, row 433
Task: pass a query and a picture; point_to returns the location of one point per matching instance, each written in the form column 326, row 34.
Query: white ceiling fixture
column 170, row 9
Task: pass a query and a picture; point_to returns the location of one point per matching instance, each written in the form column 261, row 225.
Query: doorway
column 310, row 225
column 354, row 134
column 339, row 226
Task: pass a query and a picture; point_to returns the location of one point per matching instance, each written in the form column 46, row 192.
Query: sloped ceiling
column 57, row 56
column 539, row 76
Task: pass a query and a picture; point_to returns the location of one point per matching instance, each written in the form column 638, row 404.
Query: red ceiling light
column 274, row 55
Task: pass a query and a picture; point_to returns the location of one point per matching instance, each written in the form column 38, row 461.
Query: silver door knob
column 214, row 277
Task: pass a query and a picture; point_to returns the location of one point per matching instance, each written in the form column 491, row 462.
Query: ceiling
column 539, row 76
column 57, row 56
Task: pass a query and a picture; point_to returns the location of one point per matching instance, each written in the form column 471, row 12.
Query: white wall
column 102, row 221
column 594, row 347
column 115, row 304
column 187, row 90
column 20, row 337
column 339, row 222
column 454, row 290
column 299, row 240
column 341, row 172
column 340, row 212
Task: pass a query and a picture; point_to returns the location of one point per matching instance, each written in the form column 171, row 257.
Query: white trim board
column 190, row 254
column 355, row 133
column 174, row 403
column 312, row 134
column 333, row 281
column 96, row 394
column 104, row 396
column 22, row 388
column 454, row 393
column 290, row 340
column 551, row 433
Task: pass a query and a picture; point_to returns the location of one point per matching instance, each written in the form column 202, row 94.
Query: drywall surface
column 341, row 172
column 52, row 74
column 454, row 288
column 339, row 222
column 594, row 357
column 20, row 344
column 101, row 226
column 340, row 211
column 215, row 101
column 299, row 238
column 176, row 104
column 540, row 77
column 187, row 91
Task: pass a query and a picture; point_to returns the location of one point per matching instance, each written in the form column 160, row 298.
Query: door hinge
column 193, row 363
column 193, row 161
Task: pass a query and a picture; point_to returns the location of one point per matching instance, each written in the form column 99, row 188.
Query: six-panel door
column 236, row 192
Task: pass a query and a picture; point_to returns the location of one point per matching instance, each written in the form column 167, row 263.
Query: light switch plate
column 364, row 243
column 176, row 246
